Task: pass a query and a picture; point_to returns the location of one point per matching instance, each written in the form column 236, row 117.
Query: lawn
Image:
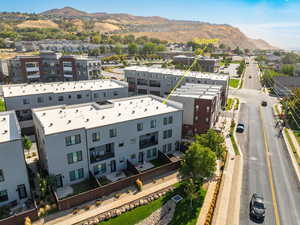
column 234, row 83
column 2, row 106
column 229, row 104
column 182, row 216
column 233, row 141
column 297, row 157
column 236, row 106
column 297, row 134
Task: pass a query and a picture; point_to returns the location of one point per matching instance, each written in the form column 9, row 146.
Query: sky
column 276, row 21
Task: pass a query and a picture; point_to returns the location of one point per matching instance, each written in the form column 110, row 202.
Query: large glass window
column 148, row 140
column 139, row 126
column 73, row 140
column 22, row 191
column 113, row 132
column 3, row 196
column 167, row 134
column 96, row 136
column 76, row 174
column 74, row 157
column 153, row 124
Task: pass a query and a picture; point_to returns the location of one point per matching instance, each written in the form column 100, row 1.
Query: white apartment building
column 201, row 104
column 14, row 183
column 160, row 81
column 24, row 97
column 78, row 139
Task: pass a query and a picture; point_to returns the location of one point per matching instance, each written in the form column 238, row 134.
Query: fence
column 99, row 192
column 19, row 219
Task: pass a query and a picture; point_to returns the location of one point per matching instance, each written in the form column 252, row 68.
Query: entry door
column 59, row 181
column 141, row 157
column 22, row 191
column 113, row 166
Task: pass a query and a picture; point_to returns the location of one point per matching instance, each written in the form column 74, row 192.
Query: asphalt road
column 256, row 172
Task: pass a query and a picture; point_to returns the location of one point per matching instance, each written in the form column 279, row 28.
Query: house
column 24, row 97
column 77, row 140
column 201, row 105
column 160, row 82
column 14, row 182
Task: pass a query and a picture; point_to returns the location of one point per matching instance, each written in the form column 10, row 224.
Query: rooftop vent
column 69, row 121
column 87, row 120
column 156, row 107
column 76, row 110
column 51, row 124
column 60, row 111
column 5, row 131
column 145, row 110
column 3, row 119
column 133, row 112
column 44, row 114
column 119, row 114
column 103, row 117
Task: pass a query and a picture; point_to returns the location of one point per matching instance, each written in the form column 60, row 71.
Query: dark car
column 257, row 207
column 240, row 128
column 264, row 103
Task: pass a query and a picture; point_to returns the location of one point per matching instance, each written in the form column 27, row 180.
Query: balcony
column 98, row 158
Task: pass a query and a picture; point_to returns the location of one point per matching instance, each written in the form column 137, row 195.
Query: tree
column 214, row 141
column 288, row 69
column 222, row 46
column 149, row 48
column 133, row 49
column 191, row 191
column 160, row 48
column 118, row 49
column 198, row 163
column 96, row 39
column 290, row 58
column 27, row 143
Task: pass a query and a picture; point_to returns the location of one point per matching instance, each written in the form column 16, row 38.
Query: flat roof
column 62, row 118
column 60, row 87
column 175, row 72
column 9, row 127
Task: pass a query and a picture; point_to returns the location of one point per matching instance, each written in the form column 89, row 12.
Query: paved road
column 256, row 172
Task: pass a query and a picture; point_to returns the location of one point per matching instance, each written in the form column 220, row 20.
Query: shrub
column 139, row 184
column 98, row 203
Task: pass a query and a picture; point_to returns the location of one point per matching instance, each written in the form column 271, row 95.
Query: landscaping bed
column 234, row 83
column 229, row 104
column 83, row 186
column 2, row 106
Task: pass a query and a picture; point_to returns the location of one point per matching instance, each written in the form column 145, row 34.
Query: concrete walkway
column 67, row 218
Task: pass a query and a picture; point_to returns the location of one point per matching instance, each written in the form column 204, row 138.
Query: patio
column 115, row 176
column 144, row 166
column 175, row 156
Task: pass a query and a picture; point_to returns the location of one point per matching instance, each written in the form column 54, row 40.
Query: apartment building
column 50, row 67
column 24, row 97
column 78, row 139
column 160, row 82
column 14, row 183
column 206, row 64
column 3, row 70
column 201, row 104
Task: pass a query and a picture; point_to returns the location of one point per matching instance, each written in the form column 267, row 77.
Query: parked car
column 264, row 103
column 240, row 128
column 257, row 207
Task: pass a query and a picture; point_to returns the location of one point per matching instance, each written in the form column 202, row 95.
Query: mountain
column 124, row 24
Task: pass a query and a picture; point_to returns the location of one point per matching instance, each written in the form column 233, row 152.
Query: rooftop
column 63, row 118
column 212, row 76
column 9, row 127
column 60, row 87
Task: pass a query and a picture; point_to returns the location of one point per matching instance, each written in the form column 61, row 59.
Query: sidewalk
column 228, row 204
column 108, row 204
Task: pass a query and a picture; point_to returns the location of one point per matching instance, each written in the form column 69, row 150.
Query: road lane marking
column 273, row 191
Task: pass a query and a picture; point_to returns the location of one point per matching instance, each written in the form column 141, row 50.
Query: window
column 74, row 157
column 40, row 99
column 207, row 120
column 153, row 124
column 73, row 140
column 154, row 152
column 76, row 174
column 139, row 126
column 104, row 94
column 101, row 168
column 70, row 96
column 50, row 98
column 96, row 136
column 116, row 93
column 168, row 120
column 113, row 132
column 122, row 159
column 22, row 191
column 96, row 95
column 148, row 140
column 25, row 101
column 121, row 144
column 169, row 147
column 3, row 196
column 164, row 148
column 167, row 134
column 196, row 118
column 79, row 96
column 60, row 98
column 1, row 176
column 149, row 155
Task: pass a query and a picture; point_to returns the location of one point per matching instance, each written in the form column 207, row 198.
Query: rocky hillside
column 157, row 27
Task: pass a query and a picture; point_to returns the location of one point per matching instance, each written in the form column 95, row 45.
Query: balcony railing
column 99, row 158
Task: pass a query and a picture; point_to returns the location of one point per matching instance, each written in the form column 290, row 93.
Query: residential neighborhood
column 135, row 118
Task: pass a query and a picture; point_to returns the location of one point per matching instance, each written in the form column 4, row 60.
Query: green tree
column 149, row 48
column 290, row 58
column 214, row 141
column 160, row 48
column 288, row 69
column 198, row 163
column 96, row 39
column 222, row 46
column 191, row 191
column 27, row 143
column 133, row 49
column 118, row 49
